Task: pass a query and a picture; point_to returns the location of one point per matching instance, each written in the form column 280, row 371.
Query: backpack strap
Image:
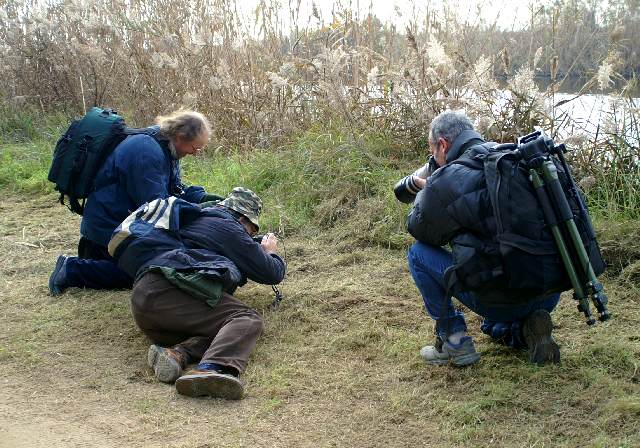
column 493, row 180
column 144, row 131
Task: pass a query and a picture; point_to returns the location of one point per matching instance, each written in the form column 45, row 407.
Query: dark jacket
column 182, row 237
column 139, row 170
column 514, row 263
column 219, row 232
column 455, row 199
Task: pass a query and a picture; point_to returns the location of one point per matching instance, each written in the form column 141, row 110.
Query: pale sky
column 508, row 14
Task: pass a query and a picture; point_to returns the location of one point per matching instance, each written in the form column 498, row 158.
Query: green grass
column 26, row 147
column 616, row 194
column 320, row 179
column 24, row 167
column 337, row 365
column 30, row 125
column 317, row 179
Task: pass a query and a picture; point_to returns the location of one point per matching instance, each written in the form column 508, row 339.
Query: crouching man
column 187, row 262
column 452, row 206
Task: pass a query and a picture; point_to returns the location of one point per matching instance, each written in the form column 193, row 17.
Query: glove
column 208, row 197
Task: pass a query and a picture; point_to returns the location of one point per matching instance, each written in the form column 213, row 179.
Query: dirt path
column 336, row 366
column 73, row 366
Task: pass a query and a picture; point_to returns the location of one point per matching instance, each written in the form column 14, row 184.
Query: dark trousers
column 224, row 335
column 427, row 265
column 95, row 268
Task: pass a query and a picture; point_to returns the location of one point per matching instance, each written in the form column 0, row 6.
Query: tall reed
column 261, row 82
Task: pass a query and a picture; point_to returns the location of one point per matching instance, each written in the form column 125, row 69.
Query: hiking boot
column 444, row 352
column 211, row 383
column 167, row 363
column 536, row 330
column 58, row 278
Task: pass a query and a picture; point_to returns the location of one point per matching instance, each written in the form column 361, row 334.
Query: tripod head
column 535, row 148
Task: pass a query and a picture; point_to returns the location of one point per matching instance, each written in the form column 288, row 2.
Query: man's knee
column 256, row 321
column 421, row 255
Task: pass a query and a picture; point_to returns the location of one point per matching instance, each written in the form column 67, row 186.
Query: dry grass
column 263, row 86
column 259, row 82
column 338, row 364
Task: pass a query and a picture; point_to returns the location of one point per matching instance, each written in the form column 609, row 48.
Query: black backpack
column 81, row 151
column 521, row 263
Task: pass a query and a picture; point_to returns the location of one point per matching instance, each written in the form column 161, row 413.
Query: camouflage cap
column 245, row 202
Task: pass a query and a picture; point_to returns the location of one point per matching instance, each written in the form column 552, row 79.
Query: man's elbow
column 276, row 276
column 415, row 229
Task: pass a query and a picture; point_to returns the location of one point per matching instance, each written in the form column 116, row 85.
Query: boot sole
column 543, row 349
column 545, row 352
column 465, row 360
column 166, row 369
column 210, row 384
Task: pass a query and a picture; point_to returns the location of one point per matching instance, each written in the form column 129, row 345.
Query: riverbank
column 338, row 364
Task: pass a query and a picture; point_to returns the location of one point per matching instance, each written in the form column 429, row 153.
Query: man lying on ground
column 187, row 262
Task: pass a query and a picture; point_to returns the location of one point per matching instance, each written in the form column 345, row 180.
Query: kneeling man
column 451, row 205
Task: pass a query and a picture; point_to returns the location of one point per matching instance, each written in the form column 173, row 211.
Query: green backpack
column 81, row 151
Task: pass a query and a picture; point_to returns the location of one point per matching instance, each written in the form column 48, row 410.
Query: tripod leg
column 550, row 217
column 585, row 271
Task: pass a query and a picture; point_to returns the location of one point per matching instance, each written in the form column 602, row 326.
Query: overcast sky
column 508, row 14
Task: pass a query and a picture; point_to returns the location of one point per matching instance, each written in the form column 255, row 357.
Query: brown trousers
column 225, row 335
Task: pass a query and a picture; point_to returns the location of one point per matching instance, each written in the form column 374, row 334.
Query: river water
column 597, row 116
column 594, row 112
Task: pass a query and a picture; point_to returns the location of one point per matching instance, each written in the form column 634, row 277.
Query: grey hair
column 448, row 125
column 187, row 123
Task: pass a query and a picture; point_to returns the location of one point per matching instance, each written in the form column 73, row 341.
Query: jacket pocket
column 476, row 265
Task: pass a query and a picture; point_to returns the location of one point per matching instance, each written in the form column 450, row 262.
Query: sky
column 508, row 14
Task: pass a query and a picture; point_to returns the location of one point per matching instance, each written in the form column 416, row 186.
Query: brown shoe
column 167, row 363
column 197, row 383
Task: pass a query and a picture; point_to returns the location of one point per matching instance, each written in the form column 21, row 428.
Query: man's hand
column 270, row 243
column 419, row 181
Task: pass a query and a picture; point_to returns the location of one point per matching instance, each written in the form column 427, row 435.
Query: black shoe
column 197, row 383
column 536, row 329
column 58, row 278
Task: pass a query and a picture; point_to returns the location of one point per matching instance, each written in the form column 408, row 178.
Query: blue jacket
column 175, row 234
column 139, row 170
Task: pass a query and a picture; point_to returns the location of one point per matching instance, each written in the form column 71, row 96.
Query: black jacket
column 455, row 199
column 513, row 260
